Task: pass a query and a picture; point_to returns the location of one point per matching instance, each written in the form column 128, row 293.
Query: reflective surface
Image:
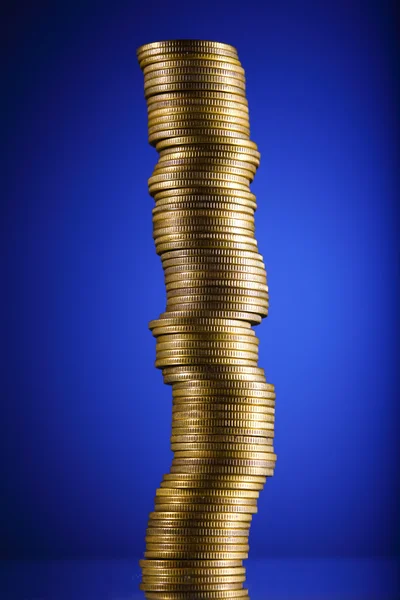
column 322, row 579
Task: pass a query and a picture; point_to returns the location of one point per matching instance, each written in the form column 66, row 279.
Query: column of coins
column 223, row 407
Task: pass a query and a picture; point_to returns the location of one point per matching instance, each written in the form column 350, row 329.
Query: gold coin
column 198, row 103
column 211, row 277
column 241, row 315
column 232, row 235
column 217, row 263
column 235, row 417
column 197, row 117
column 222, row 388
column 168, row 515
column 217, row 255
column 222, row 469
column 197, row 156
column 260, row 308
column 208, row 410
column 196, row 128
column 177, row 79
column 204, row 98
column 192, row 554
column 209, row 481
column 154, row 60
column 202, row 54
column 214, row 286
column 198, row 533
column 171, row 541
column 161, row 363
column 235, row 342
column 191, row 583
column 183, row 493
column 164, row 247
column 217, row 129
column 183, row 86
column 217, row 84
column 185, row 47
column 206, row 80
column 209, row 440
column 188, row 174
column 158, row 85
column 186, row 201
column 202, row 300
column 212, row 193
column 239, row 430
column 206, row 168
column 218, row 447
column 186, row 587
column 199, row 571
column 226, row 399
column 226, row 371
column 198, row 321
column 222, row 234
column 212, row 152
column 223, row 294
column 197, row 497
column 212, row 141
column 233, row 455
column 181, row 388
column 173, row 378
column 207, row 595
column 204, row 346
column 189, row 586
column 200, row 226
column 207, row 352
column 177, row 184
column 210, row 424
column 189, row 564
column 203, row 160
column 204, row 523
column 196, row 112
column 181, row 546
column 204, row 408
column 194, row 69
column 202, row 215
column 176, row 209
column 189, row 580
column 180, row 170
column 193, row 63
column 187, row 224
column 194, row 329
column 177, row 339
column 180, row 203
column 206, row 335
column 196, row 209
column 199, row 503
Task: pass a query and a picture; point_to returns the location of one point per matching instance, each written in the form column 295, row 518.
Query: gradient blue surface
column 85, row 418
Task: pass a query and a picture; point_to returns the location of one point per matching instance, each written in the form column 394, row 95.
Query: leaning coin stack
column 223, row 407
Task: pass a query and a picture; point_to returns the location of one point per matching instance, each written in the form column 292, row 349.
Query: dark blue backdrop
column 85, row 416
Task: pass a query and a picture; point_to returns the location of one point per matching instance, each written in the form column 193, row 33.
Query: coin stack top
column 204, row 232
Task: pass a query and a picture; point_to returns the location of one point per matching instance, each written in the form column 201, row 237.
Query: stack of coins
column 223, row 407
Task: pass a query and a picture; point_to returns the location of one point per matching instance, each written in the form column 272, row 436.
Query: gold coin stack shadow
column 223, row 407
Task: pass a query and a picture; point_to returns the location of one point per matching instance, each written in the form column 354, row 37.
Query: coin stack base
column 223, row 408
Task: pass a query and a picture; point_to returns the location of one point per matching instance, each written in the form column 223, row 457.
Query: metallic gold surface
column 223, row 409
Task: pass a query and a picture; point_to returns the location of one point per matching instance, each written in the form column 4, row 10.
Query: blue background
column 85, row 416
